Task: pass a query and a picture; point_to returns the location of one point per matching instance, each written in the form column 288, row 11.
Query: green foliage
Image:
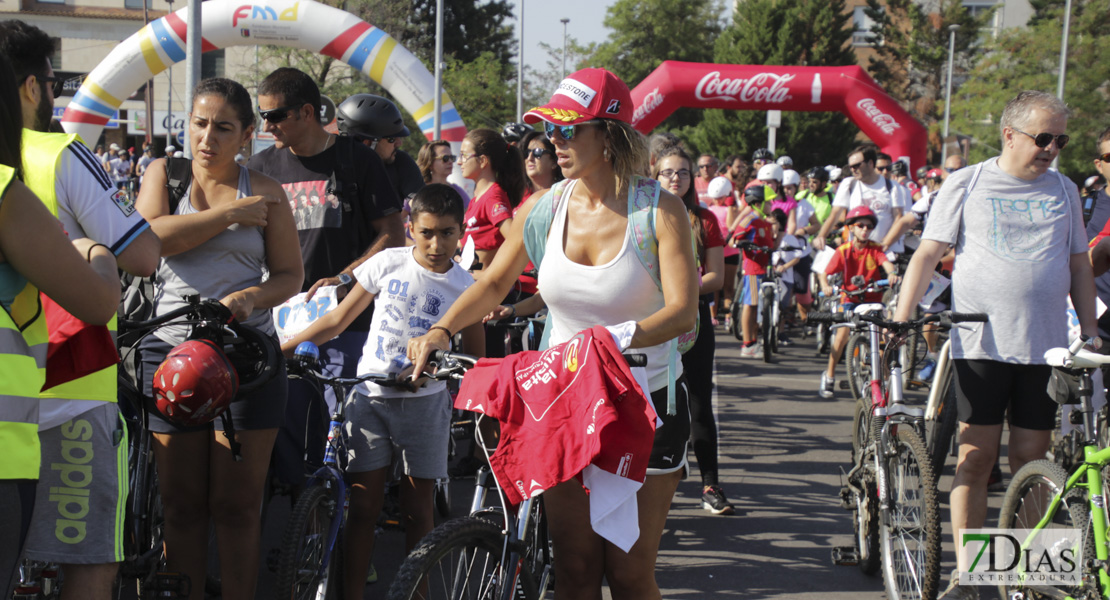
column 911, row 44
column 482, row 97
column 1028, row 59
column 648, row 32
column 819, row 35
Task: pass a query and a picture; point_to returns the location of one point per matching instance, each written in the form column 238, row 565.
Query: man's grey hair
column 1018, row 111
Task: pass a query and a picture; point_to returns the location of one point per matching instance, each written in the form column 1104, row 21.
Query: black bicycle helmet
column 899, row 168
column 755, row 195
column 817, row 173
column 763, row 154
column 514, row 132
column 370, row 116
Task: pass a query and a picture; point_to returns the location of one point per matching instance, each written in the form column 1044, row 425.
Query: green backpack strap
column 536, row 227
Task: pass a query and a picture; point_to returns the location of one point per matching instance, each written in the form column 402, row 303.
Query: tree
column 539, row 84
column 1028, row 59
column 911, row 41
column 648, row 32
column 818, row 36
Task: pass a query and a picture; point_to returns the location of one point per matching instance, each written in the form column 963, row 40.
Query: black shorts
column 668, row 451
column 263, row 408
column 986, row 389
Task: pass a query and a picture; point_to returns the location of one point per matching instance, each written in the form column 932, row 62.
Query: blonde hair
column 628, row 152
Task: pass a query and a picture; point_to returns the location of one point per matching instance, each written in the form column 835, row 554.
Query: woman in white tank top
column 590, row 276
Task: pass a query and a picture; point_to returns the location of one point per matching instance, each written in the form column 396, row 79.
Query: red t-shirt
column 713, row 237
column 867, row 261
column 754, row 229
column 561, row 410
column 484, row 215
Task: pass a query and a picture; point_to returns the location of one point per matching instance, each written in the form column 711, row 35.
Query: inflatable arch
column 303, row 24
column 848, row 90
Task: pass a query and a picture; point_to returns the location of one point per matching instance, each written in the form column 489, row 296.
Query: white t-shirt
column 802, row 213
column 121, row 169
column 1014, row 241
column 89, row 205
column 408, row 299
column 853, row 192
column 783, row 256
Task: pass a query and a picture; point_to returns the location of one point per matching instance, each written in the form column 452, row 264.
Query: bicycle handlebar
column 945, row 319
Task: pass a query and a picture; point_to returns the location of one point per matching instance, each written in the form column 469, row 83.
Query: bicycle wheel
column 857, row 359
column 941, row 430
column 767, row 327
column 1027, row 501
column 861, row 426
column 734, row 311
column 461, row 560
column 304, row 546
column 866, row 523
column 910, row 536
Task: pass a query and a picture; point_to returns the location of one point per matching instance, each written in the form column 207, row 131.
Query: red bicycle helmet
column 861, row 212
column 195, row 383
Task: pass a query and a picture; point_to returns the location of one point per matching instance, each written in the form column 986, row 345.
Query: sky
column 541, row 24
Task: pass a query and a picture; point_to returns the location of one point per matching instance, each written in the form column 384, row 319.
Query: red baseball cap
column 934, row 174
column 584, row 96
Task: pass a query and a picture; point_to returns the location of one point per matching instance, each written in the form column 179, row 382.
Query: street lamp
column 564, row 22
column 948, row 91
column 169, row 97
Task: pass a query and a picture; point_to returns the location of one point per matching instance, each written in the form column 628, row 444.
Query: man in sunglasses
column 1098, row 228
column 867, row 186
column 1017, row 228
column 953, row 163
column 358, row 214
column 707, row 170
column 72, row 183
column 377, row 123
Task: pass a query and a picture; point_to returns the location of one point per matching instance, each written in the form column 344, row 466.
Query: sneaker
column 753, row 351
column 925, row 373
column 713, row 499
column 728, row 323
column 956, row 591
column 828, row 384
column 785, row 341
column 372, row 575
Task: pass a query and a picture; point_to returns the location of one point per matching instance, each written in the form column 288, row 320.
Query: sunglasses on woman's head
column 566, row 131
column 1042, row 140
column 276, row 115
column 537, row 153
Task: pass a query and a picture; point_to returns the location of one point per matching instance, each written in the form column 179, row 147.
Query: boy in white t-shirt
column 411, row 288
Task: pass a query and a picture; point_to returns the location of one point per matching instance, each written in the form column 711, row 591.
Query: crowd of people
column 572, row 212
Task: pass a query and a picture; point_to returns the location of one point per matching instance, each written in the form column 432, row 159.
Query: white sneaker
column 753, row 351
column 828, row 384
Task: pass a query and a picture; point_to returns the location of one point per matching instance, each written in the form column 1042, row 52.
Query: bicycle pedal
column 845, row 556
column 166, row 585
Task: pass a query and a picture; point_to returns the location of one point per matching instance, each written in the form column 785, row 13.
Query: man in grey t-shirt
column 1020, row 250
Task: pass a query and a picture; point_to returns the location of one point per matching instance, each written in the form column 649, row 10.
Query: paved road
column 782, row 447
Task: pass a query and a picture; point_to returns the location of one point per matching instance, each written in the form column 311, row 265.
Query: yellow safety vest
column 41, row 154
column 23, row 341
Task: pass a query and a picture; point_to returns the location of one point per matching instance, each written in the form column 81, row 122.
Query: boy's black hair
column 779, row 216
column 438, row 199
column 27, row 47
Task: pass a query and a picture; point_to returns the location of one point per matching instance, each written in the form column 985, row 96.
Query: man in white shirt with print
column 887, row 199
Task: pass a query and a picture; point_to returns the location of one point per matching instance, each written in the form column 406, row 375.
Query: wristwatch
column 345, row 279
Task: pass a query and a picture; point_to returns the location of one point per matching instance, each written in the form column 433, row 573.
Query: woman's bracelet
column 88, row 254
column 443, row 329
column 512, row 310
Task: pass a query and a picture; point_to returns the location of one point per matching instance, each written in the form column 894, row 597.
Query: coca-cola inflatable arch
column 848, row 90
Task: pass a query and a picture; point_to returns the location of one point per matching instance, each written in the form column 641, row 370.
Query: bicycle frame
column 331, row 475
column 944, row 365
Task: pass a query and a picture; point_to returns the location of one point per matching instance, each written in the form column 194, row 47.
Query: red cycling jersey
column 484, row 215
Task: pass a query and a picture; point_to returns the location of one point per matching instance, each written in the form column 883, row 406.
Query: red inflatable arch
column 848, row 90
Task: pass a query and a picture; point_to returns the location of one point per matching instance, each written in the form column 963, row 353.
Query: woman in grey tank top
column 232, row 238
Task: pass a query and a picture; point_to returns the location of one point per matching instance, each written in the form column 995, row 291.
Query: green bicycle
column 1043, row 496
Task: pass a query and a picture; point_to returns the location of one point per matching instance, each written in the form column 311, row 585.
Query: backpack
column 137, row 301
column 643, row 198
